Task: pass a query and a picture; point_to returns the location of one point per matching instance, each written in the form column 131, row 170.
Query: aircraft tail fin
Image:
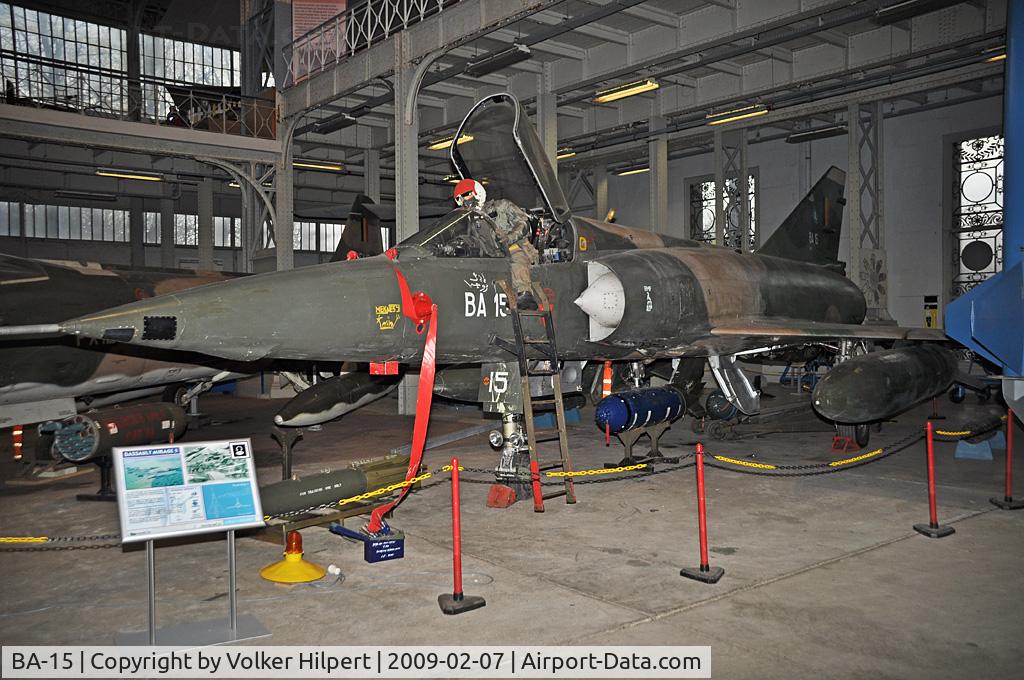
column 812, row 231
column 362, row 232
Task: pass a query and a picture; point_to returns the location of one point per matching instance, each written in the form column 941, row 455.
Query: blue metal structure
column 989, row 319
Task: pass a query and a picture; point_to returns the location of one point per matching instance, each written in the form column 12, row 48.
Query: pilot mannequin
column 512, row 227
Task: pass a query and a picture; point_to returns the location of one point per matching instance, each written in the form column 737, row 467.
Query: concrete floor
column 824, row 575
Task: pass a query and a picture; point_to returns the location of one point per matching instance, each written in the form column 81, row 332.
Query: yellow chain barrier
column 379, row 492
column 24, row 539
column 744, row 463
column 601, row 471
column 945, row 433
column 847, row 461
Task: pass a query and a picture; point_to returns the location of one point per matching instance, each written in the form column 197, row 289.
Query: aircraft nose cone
column 136, row 322
column 604, row 300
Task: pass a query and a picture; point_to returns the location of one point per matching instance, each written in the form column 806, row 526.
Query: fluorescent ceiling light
column 447, row 142
column 454, row 179
column 737, row 114
column 129, row 174
column 565, row 153
column 234, row 184
column 318, row 165
column 85, row 195
column 632, row 171
column 495, row 61
column 998, row 57
column 334, row 123
column 816, row 133
column 627, row 90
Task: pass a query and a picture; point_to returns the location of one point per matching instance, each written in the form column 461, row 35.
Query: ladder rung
column 531, row 312
column 555, row 494
column 536, row 341
column 544, row 372
column 542, row 400
column 540, row 439
column 553, row 465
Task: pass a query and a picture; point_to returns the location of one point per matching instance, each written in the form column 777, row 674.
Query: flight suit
column 512, row 227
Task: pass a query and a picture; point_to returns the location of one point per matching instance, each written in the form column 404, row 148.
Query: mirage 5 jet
column 615, row 293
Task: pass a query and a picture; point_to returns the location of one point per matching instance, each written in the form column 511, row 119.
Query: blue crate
column 547, row 420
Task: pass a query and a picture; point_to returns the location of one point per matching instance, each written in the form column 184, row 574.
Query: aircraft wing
column 779, row 329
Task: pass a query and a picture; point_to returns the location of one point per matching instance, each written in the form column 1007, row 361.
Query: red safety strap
column 424, row 394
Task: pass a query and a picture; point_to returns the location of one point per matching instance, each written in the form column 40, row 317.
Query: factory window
column 166, row 61
column 73, row 65
column 977, row 211
column 702, row 211
column 330, row 236
column 76, row 224
column 151, row 226
column 227, row 232
column 186, row 230
column 309, row 236
column 304, row 236
column 41, row 54
column 10, row 219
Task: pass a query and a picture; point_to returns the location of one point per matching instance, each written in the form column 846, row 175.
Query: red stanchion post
column 538, row 494
column 705, row 572
column 457, row 602
column 932, row 529
column 1007, row 502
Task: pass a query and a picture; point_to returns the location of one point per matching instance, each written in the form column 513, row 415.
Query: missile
column 91, row 435
column 334, row 398
column 879, row 385
column 295, row 494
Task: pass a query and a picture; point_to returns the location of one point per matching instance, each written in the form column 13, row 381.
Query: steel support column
column 657, row 150
column 600, row 192
column 371, row 174
column 732, row 190
column 408, row 76
column 867, row 266
column 547, row 116
column 136, row 232
column 204, row 237
column 284, row 207
column 167, row 257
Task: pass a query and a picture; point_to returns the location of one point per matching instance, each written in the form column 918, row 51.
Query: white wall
column 914, row 195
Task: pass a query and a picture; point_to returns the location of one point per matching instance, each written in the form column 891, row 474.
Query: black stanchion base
column 101, row 495
column 458, row 604
column 1006, row 503
column 937, row 531
column 703, row 574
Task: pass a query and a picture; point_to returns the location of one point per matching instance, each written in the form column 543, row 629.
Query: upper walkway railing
column 355, row 29
column 58, row 85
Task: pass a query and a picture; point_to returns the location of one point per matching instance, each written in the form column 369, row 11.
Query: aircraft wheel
column 716, row 429
column 173, row 394
column 860, row 433
column 719, row 407
column 957, row 394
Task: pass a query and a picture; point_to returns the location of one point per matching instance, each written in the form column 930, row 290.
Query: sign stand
column 198, row 633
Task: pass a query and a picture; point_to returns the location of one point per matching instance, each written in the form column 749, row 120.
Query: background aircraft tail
column 811, row 232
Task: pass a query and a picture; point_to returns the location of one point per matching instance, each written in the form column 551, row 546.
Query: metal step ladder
column 539, row 351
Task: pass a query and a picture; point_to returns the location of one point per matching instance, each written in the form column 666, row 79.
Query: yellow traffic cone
column 293, row 569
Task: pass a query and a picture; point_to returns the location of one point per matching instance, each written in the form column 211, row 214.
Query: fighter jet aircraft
column 615, row 293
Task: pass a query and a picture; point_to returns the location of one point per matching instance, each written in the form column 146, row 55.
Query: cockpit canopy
column 461, row 233
column 502, row 147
